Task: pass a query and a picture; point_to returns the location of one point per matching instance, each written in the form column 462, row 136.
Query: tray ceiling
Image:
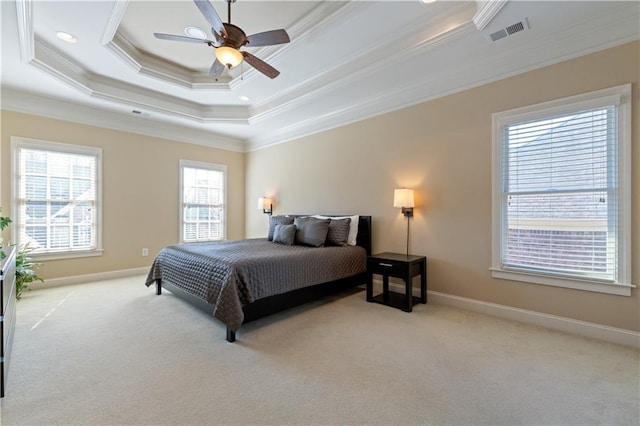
column 346, row 61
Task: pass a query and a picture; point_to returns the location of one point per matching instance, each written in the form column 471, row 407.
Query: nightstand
column 399, row 266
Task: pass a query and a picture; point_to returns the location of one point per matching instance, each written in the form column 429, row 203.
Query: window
column 203, row 196
column 561, row 192
column 56, row 198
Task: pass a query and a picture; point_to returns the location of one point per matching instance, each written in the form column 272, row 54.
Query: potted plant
column 4, row 222
column 25, row 267
column 25, row 270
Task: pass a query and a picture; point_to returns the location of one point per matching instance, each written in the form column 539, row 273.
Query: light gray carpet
column 113, row 352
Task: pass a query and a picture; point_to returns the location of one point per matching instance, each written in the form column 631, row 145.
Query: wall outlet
column 145, row 251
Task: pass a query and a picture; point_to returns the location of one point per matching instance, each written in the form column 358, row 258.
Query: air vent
column 512, row 29
column 140, row 113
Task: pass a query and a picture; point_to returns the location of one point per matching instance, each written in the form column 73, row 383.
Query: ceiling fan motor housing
column 236, row 38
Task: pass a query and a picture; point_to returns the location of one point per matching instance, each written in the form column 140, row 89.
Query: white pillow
column 353, row 226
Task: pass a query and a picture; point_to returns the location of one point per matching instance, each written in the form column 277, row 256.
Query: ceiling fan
column 229, row 39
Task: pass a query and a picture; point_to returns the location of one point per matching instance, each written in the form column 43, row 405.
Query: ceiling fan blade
column 216, row 68
column 212, row 17
column 173, row 37
column 260, row 65
column 268, row 38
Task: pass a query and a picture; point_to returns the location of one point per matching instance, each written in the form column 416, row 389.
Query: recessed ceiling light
column 427, row 1
column 244, row 98
column 195, row 32
column 69, row 38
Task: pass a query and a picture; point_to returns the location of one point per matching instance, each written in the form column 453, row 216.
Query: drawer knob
column 386, row 264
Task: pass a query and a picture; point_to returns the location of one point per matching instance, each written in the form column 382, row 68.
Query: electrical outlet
column 145, row 251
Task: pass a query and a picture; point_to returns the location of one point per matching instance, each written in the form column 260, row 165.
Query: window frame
column 618, row 95
column 18, row 143
column 206, row 166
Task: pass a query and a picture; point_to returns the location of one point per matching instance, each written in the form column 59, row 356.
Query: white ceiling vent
column 521, row 25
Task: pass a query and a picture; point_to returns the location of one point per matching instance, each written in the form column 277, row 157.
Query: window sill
column 598, row 287
column 65, row 255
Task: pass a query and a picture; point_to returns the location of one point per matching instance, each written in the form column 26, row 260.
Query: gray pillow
column 311, row 231
column 284, row 234
column 338, row 232
column 278, row 220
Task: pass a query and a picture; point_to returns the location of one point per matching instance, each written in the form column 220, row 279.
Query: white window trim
column 620, row 95
column 202, row 165
column 20, row 142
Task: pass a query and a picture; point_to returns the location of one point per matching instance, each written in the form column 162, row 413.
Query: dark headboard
column 364, row 230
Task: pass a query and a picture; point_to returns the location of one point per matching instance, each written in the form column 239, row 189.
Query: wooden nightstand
column 399, row 266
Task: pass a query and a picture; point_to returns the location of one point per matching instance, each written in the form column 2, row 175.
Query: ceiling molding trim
column 328, row 83
column 149, row 66
column 24, row 17
column 27, row 103
column 317, row 20
column 117, row 13
column 64, row 69
column 487, row 10
column 59, row 67
column 420, row 92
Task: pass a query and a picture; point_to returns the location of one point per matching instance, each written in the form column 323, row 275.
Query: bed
column 243, row 280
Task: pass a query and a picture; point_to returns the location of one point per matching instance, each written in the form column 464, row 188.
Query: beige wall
column 442, row 149
column 140, row 189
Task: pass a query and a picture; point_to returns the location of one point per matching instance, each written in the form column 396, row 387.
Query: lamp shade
column 228, row 56
column 264, row 203
column 403, row 198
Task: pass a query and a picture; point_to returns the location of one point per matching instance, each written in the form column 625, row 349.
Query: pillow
column 338, row 232
column 278, row 220
column 284, row 234
column 353, row 226
column 311, row 231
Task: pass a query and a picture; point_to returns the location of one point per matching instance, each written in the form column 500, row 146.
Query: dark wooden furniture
column 399, row 266
column 280, row 302
column 7, row 312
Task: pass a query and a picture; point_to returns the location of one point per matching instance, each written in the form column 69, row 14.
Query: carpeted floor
column 112, row 352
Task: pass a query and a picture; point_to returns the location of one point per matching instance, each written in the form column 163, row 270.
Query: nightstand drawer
column 387, row 267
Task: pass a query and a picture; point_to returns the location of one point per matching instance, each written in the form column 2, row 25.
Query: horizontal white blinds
column 203, row 204
column 57, row 200
column 560, row 194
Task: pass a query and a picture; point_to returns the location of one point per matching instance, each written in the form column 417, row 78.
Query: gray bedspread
column 231, row 274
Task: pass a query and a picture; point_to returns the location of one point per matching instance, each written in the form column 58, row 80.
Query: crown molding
column 24, row 12
column 117, row 13
column 27, row 103
column 368, row 63
column 487, row 10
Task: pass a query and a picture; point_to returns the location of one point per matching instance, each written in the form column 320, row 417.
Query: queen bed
column 243, row 280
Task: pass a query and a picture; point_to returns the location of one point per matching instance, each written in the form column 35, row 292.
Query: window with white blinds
column 563, row 193
column 203, row 194
column 56, row 198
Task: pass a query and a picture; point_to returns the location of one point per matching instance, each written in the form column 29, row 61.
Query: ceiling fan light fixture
column 228, row 56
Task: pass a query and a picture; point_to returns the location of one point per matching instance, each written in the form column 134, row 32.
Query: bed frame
column 280, row 302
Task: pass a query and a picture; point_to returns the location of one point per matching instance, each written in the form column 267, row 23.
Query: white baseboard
column 591, row 330
column 83, row 279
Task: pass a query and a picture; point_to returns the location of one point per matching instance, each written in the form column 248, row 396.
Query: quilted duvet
column 231, row 274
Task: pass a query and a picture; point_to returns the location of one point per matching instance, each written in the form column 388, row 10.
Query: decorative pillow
column 278, row 220
column 338, row 232
column 353, row 227
column 311, row 231
column 284, row 234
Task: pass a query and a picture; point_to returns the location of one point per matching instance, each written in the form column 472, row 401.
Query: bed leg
column 158, row 288
column 231, row 335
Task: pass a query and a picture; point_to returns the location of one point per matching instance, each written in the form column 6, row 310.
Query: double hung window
column 56, row 198
column 203, row 194
column 561, row 193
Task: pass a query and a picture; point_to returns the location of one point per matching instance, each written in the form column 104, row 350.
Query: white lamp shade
column 228, row 56
column 403, row 198
column 264, row 203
